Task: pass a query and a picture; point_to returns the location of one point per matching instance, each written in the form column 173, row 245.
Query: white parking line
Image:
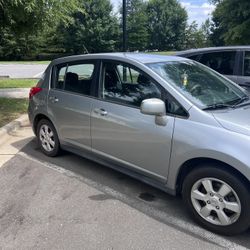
column 161, row 216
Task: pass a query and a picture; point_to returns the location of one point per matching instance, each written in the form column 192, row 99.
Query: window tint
column 75, row 78
column 247, row 64
column 194, row 57
column 222, row 62
column 126, row 85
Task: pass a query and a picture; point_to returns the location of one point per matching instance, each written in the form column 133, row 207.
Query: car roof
column 211, row 49
column 128, row 56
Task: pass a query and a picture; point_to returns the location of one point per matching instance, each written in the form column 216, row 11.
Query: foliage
column 137, row 21
column 34, row 15
column 196, row 37
column 22, row 23
column 231, row 22
column 11, row 109
column 95, row 30
column 17, row 83
column 167, row 21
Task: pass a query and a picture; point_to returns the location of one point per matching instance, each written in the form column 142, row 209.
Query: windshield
column 199, row 84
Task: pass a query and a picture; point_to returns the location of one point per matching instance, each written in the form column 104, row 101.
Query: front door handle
column 102, row 112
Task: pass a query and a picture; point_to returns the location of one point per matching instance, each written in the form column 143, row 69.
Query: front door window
column 126, row 85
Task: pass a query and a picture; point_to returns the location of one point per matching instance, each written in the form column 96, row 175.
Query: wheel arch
column 38, row 118
column 195, row 163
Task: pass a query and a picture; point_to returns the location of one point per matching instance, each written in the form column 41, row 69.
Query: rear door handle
column 102, row 112
column 53, row 99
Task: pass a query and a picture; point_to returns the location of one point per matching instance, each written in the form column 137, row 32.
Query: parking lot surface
column 22, row 70
column 69, row 202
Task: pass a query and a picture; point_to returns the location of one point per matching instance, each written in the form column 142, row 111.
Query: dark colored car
column 233, row 62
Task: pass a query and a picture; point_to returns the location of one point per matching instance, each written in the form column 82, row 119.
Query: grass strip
column 11, row 109
column 17, row 83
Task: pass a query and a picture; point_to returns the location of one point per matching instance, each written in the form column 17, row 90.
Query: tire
column 217, row 199
column 47, row 138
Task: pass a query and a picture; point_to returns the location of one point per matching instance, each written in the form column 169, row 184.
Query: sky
column 198, row 10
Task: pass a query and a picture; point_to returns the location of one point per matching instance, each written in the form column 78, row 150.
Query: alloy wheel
column 46, row 137
column 216, row 201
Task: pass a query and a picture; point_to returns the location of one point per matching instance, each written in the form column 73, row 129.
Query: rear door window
column 222, row 62
column 77, row 78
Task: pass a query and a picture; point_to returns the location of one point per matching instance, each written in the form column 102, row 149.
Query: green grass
column 24, row 62
column 17, row 83
column 11, row 109
column 165, row 53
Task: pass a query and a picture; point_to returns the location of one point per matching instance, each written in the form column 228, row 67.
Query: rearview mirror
column 153, row 106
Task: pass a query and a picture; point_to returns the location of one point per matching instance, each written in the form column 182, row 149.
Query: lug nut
column 217, row 207
column 211, row 194
column 220, row 200
column 208, row 202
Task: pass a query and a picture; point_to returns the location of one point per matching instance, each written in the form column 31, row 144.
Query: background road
column 22, row 70
column 69, row 202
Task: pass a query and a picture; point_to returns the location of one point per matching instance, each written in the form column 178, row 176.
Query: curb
column 6, row 130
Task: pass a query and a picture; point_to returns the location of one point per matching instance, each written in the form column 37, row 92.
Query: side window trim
column 64, row 78
column 243, row 63
column 238, row 67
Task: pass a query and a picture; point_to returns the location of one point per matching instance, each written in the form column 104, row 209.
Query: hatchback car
column 168, row 121
column 232, row 61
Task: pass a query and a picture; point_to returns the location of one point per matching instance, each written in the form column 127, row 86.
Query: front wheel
column 218, row 200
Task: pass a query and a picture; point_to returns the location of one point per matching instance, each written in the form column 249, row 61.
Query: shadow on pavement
column 140, row 196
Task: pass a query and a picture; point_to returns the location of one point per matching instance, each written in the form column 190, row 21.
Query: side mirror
column 153, row 106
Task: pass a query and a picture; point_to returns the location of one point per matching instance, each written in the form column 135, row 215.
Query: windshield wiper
column 240, row 101
column 225, row 105
column 217, row 106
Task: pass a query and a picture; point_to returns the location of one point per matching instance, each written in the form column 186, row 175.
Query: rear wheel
column 218, row 200
column 48, row 138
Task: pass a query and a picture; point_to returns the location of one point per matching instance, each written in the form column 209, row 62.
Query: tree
column 206, row 30
column 231, row 22
column 22, row 23
column 34, row 15
column 137, row 21
column 196, row 37
column 167, row 21
column 95, row 29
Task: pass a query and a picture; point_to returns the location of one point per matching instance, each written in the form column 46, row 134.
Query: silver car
column 168, row 121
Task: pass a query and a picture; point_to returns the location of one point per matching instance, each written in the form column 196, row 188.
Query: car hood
column 237, row 120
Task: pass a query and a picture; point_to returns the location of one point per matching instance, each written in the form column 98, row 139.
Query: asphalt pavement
column 68, row 202
column 22, row 70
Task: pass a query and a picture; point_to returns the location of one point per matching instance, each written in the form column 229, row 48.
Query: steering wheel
column 196, row 89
